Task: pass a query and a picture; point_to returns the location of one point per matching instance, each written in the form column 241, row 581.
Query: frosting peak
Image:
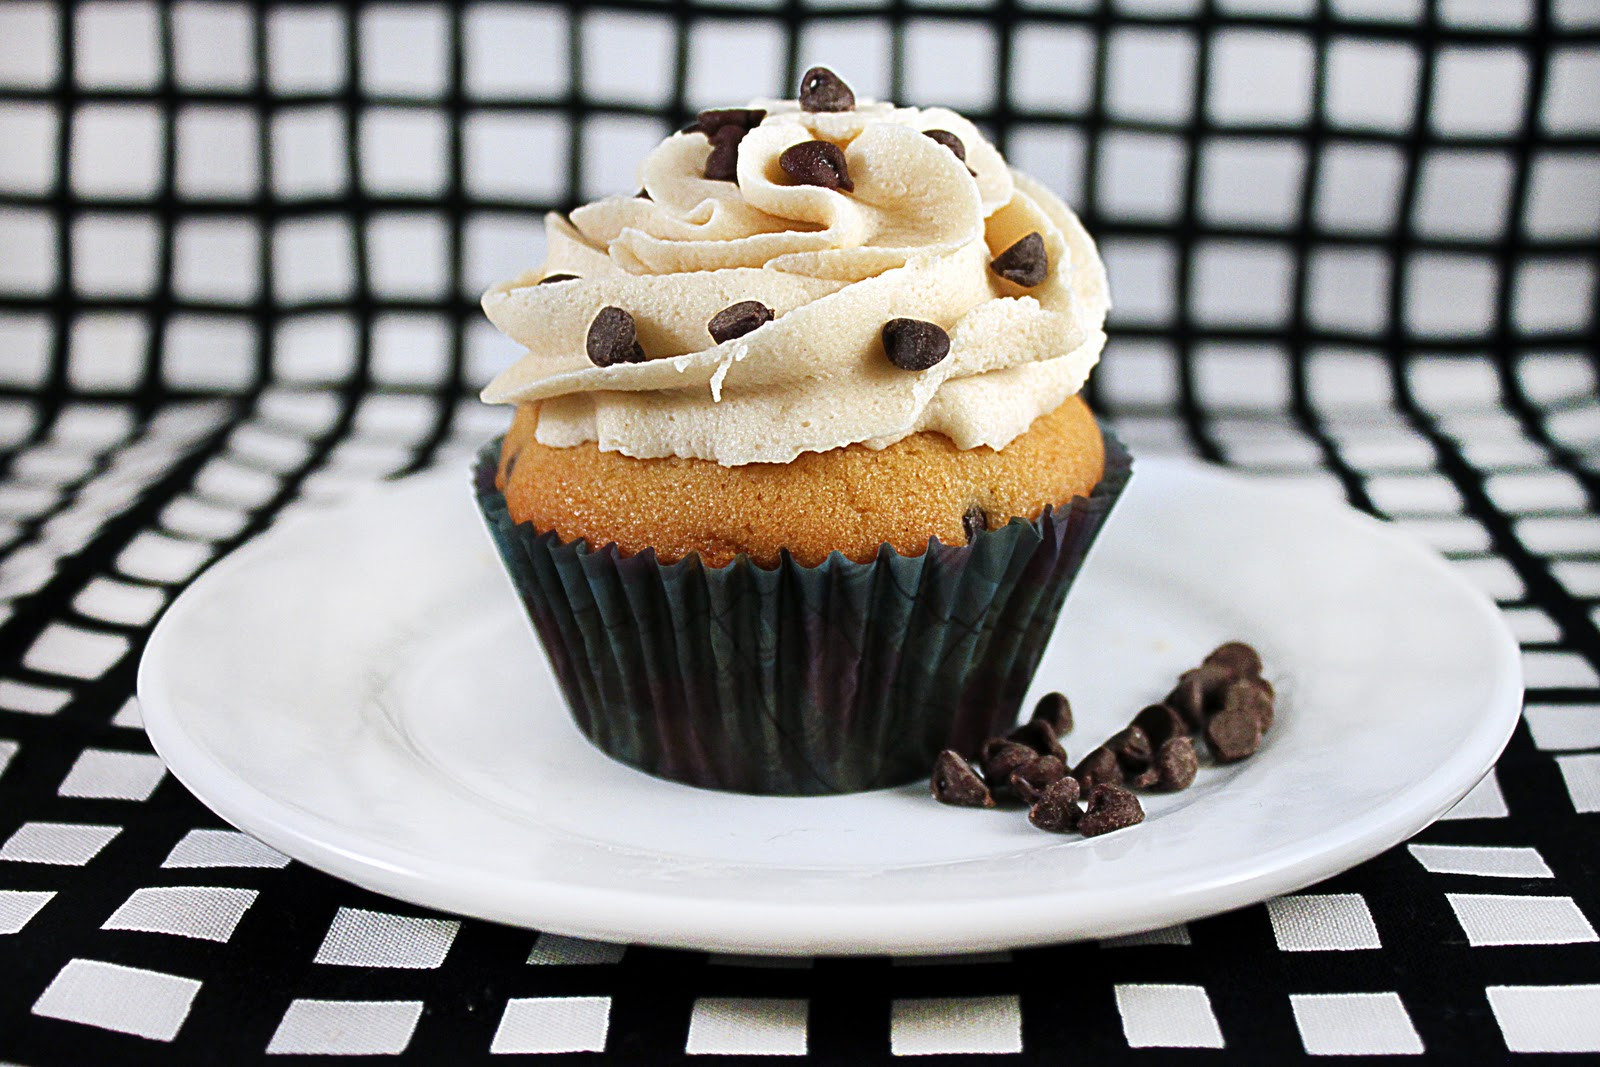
column 912, row 237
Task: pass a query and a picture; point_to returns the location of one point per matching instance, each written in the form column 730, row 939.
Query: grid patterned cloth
column 1354, row 249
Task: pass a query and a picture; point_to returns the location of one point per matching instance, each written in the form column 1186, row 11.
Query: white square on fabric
column 360, row 938
column 1168, row 1016
column 1492, row 919
column 32, row 699
column 1331, row 922
column 1582, row 777
column 1355, row 1024
column 1484, row 801
column 7, row 750
column 119, row 602
column 59, row 843
column 346, row 1027
column 222, row 848
column 109, row 775
column 553, row 1024
column 129, row 1000
column 1485, row 861
column 556, row 950
column 1547, row 1018
column 1558, row 669
column 208, row 913
column 747, row 1026
column 19, row 906
column 930, row 1026
column 74, row 653
column 1167, row 935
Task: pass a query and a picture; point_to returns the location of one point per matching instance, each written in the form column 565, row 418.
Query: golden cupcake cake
column 798, row 474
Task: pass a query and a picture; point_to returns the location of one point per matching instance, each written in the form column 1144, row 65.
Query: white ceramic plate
column 360, row 689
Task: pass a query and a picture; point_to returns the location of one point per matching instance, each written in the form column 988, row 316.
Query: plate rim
column 762, row 927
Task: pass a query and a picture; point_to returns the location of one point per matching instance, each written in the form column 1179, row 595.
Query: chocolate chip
column 823, row 90
column 818, row 163
column 1002, row 758
column 912, row 344
column 1040, row 737
column 955, row 782
column 1235, row 657
column 551, row 279
column 1255, row 681
column 1160, row 722
column 973, row 521
column 736, row 320
column 1028, row 781
column 1098, row 767
column 1056, row 809
column 1131, row 745
column 643, row 194
column 1198, row 694
column 950, row 141
column 1176, row 763
column 1054, row 708
column 744, row 119
column 1251, row 700
column 1109, row 808
column 722, row 165
column 1024, row 262
column 1233, row 734
column 612, row 339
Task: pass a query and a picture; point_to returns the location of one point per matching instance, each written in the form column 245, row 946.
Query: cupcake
column 798, row 473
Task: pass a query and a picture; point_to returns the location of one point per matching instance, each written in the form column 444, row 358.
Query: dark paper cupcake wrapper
column 798, row 680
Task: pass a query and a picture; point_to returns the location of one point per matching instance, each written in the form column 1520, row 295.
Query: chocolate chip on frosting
column 744, row 118
column 912, row 344
column 973, row 521
column 722, row 165
column 955, row 782
column 823, row 90
column 819, row 163
column 613, row 339
column 736, row 320
column 551, row 279
column 1025, row 262
column 950, row 141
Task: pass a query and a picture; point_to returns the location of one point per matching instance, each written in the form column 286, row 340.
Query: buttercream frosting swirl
column 913, row 239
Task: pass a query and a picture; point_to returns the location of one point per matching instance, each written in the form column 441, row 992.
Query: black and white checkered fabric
column 1354, row 246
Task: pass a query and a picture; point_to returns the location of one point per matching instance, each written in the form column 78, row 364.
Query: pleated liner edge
column 798, row 680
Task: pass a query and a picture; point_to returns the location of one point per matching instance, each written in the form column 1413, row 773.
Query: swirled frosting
column 913, row 239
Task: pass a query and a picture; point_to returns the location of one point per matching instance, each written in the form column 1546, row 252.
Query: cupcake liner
column 798, row 680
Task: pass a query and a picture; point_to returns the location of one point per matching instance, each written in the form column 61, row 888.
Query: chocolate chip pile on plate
column 1225, row 700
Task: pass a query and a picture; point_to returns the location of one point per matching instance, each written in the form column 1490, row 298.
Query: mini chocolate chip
column 819, row 163
column 643, row 194
column 1109, row 808
column 1198, row 694
column 1003, row 758
column 1131, row 745
column 950, row 141
column 1233, row 734
column 1176, row 763
column 551, row 279
column 1055, row 709
column 1235, row 657
column 1028, row 781
column 613, row 339
column 1099, row 766
column 1024, row 262
column 823, row 90
column 912, row 344
column 736, row 320
column 1056, row 809
column 745, row 118
column 1145, row 778
column 1250, row 699
column 1160, row 722
column 974, row 520
column 955, row 782
column 1255, row 681
column 1039, row 736
column 722, row 165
